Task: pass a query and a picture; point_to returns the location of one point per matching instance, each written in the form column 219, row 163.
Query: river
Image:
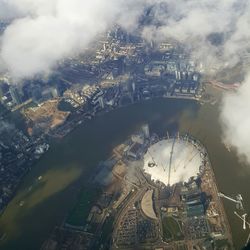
column 69, row 162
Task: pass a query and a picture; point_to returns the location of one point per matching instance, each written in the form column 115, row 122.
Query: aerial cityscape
column 124, row 125
column 153, row 210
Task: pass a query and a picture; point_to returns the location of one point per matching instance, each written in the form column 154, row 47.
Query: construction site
column 45, row 117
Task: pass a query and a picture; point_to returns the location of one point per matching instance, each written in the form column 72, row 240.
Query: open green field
column 171, row 229
column 78, row 215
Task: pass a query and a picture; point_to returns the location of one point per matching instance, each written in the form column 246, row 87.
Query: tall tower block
column 145, row 129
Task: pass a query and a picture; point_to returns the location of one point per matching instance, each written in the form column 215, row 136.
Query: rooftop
column 172, row 161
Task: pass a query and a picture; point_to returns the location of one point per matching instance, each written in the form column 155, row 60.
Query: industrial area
column 152, row 193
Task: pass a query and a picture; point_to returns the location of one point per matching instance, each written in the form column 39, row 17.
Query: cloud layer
column 216, row 31
column 236, row 120
column 45, row 31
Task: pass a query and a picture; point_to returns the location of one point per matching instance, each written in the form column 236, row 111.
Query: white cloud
column 236, row 120
column 48, row 30
column 192, row 22
column 45, row 31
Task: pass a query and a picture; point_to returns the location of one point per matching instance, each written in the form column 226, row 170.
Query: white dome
column 185, row 161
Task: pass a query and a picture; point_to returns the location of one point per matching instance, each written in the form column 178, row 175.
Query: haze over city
column 66, row 65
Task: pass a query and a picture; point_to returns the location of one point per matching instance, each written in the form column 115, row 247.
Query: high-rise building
column 133, row 87
column 54, row 92
column 104, row 46
column 1, row 92
column 101, row 102
column 145, row 129
column 177, row 75
column 15, row 95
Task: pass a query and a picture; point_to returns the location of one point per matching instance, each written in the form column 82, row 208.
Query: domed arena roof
column 173, row 160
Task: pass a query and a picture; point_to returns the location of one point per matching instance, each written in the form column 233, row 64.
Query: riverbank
column 70, row 161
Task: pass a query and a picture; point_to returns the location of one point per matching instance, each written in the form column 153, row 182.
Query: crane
column 244, row 221
column 243, row 218
column 238, row 200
